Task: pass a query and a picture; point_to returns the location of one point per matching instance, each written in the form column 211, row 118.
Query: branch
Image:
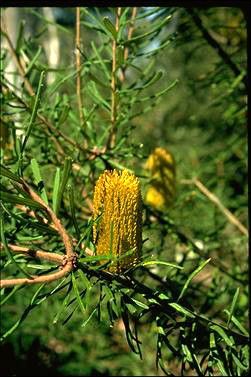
column 111, row 138
column 54, row 257
column 68, row 260
column 130, row 31
column 80, row 103
column 217, row 201
column 226, row 58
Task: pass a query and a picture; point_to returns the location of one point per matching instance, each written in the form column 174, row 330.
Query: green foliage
column 178, row 81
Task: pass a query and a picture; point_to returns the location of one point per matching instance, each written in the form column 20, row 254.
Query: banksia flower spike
column 161, row 192
column 117, row 198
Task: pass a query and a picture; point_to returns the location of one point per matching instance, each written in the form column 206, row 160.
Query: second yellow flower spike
column 161, row 192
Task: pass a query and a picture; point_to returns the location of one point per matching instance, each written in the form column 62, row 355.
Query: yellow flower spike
column 117, row 198
column 162, row 187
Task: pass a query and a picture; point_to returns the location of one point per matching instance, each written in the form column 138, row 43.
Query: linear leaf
column 192, row 276
column 64, row 304
column 15, row 199
column 65, row 176
column 34, row 111
column 155, row 29
column 237, row 323
column 55, row 189
column 222, row 333
column 72, row 207
column 159, row 93
column 79, row 300
column 6, row 298
column 139, row 303
column 8, row 173
column 239, row 363
column 88, row 319
column 36, row 56
column 236, row 295
column 38, row 178
column 64, row 114
column 110, row 27
column 6, row 247
column 147, row 263
column 181, row 309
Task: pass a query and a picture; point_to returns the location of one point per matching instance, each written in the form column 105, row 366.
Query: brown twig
column 217, row 201
column 112, row 136
column 126, row 51
column 53, row 257
column 78, row 66
column 69, row 257
column 20, row 68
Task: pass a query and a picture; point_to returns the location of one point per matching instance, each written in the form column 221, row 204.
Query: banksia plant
column 118, row 231
column 161, row 192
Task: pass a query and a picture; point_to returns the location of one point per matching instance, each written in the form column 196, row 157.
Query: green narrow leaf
column 110, row 27
column 72, row 207
column 94, row 78
column 130, row 307
column 212, row 341
column 6, row 298
column 65, row 176
column 8, row 252
column 15, row 199
column 93, row 91
column 237, row 323
column 120, row 56
column 17, row 145
column 155, row 29
column 64, row 114
column 8, row 173
column 38, row 178
column 37, row 293
column 239, row 363
column 222, row 333
column 220, row 365
column 64, row 304
column 88, row 288
column 156, row 77
column 147, row 263
column 34, row 111
column 55, row 189
column 172, row 85
column 90, row 316
column 236, row 295
column 192, row 276
column 139, row 303
column 101, row 61
column 187, row 352
column 182, row 310
column 20, row 39
column 55, row 85
column 15, row 325
column 79, row 300
column 29, row 68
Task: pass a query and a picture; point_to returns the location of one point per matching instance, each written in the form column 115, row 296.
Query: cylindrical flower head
column 162, row 189
column 117, row 198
